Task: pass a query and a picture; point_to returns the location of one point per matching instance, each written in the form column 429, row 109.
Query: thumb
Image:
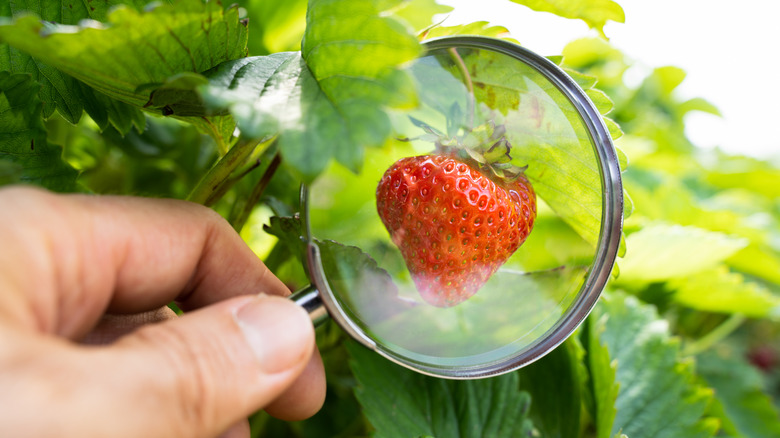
column 200, row 374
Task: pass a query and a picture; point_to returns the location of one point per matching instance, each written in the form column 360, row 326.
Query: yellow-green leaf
column 595, row 13
column 482, row 28
column 718, row 290
column 660, row 252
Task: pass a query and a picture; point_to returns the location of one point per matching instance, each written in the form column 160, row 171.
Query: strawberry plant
column 234, row 106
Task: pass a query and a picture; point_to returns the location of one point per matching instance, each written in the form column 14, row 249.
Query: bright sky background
column 729, row 50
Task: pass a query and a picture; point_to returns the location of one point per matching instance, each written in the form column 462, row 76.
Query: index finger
column 74, row 257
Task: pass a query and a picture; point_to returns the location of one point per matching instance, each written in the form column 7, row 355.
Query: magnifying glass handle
column 309, row 299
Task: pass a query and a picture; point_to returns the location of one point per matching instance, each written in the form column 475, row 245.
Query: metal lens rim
column 609, row 235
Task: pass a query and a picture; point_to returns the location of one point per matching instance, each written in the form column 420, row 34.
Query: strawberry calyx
column 484, row 147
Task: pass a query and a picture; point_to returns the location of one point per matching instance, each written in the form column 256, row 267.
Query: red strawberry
column 454, row 225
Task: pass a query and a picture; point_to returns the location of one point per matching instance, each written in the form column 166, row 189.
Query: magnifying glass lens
column 475, row 240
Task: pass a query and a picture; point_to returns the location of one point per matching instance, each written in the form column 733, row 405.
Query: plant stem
column 226, row 185
column 713, row 337
column 217, row 136
column 221, row 171
column 469, row 84
column 239, row 221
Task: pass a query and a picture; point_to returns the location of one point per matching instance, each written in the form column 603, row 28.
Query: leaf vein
column 186, row 49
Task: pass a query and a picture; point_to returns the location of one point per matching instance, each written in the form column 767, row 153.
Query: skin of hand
column 88, row 347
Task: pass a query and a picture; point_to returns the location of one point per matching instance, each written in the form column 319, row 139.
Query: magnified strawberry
column 454, row 223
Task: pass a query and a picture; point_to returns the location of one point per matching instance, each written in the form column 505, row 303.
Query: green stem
column 239, row 221
column 226, row 185
column 217, row 136
column 713, row 337
column 469, row 84
column 221, row 171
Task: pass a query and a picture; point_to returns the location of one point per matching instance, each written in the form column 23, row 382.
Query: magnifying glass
column 479, row 238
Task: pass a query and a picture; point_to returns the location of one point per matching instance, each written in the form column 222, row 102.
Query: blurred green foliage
column 702, row 243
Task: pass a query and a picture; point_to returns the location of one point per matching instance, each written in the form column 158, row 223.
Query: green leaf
column 622, row 158
column 23, row 138
column 666, row 198
column 67, row 11
column 585, row 81
column 278, row 94
column 718, row 290
column 364, row 45
column 330, row 101
column 166, row 160
column 758, row 260
column 419, row 13
column 603, row 383
column 355, row 62
column 482, row 28
column 763, row 180
column 177, row 96
column 614, row 129
column 125, row 57
column 238, row 84
column 555, row 384
column 659, row 252
column 349, row 271
column 658, row 396
column 747, row 411
column 699, row 104
column 595, row 13
column 276, row 26
column 60, row 91
column 667, row 78
column 105, row 111
column 563, row 171
column 556, row 59
column 402, row 403
column 600, row 100
column 289, row 230
column 10, row 173
column 220, row 128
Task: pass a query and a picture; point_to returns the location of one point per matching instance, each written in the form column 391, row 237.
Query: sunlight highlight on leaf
column 482, row 28
column 418, row 13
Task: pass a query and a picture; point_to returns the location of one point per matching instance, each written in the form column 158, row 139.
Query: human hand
column 76, row 271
